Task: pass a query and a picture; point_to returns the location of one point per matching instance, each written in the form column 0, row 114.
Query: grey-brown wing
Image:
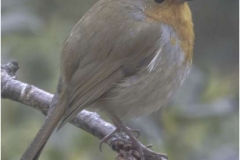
column 81, row 96
column 107, row 48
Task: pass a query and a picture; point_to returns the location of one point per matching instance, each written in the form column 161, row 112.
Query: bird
column 125, row 58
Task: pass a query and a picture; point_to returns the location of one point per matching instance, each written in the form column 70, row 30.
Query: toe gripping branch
column 127, row 150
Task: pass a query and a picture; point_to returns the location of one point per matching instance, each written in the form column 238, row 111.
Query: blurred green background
column 200, row 123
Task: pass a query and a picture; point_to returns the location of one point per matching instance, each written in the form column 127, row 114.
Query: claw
column 106, row 138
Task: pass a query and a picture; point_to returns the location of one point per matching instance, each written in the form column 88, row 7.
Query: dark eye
column 159, row 1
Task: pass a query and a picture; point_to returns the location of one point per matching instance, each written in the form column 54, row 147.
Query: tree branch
column 34, row 97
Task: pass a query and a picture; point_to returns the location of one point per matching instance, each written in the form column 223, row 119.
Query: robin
column 124, row 57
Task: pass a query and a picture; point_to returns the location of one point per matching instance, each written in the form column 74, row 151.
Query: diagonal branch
column 32, row 96
column 36, row 98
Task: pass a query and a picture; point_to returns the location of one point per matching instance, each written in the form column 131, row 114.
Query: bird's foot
column 128, row 150
column 123, row 144
column 126, row 144
column 111, row 135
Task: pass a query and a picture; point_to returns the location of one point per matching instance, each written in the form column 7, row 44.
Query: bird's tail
column 34, row 150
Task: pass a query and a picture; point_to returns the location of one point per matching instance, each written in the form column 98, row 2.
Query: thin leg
column 137, row 149
column 106, row 138
column 136, row 131
column 135, row 142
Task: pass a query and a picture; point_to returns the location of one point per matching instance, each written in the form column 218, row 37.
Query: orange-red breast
column 125, row 57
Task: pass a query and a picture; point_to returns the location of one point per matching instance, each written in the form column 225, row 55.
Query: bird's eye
column 159, row 1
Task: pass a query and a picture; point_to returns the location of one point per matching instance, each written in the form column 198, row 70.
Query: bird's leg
column 117, row 130
column 126, row 148
column 136, row 131
column 134, row 146
column 134, row 142
column 108, row 137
